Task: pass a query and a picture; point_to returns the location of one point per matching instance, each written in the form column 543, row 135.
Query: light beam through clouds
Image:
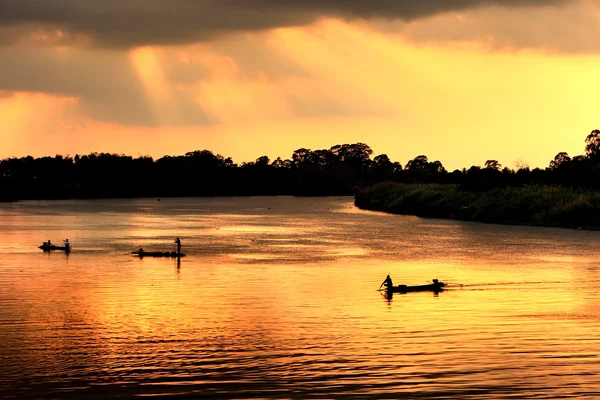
column 460, row 81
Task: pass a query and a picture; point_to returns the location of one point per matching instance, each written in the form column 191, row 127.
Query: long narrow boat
column 45, row 247
column 436, row 286
column 172, row 254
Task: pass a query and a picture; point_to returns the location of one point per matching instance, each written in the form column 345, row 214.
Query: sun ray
column 146, row 63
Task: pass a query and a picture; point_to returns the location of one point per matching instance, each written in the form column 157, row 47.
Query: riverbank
column 551, row 206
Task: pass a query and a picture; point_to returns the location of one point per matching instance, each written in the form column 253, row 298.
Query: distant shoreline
column 164, row 197
column 543, row 206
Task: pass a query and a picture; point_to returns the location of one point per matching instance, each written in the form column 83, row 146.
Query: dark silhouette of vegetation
column 340, row 170
column 564, row 194
column 529, row 204
column 336, row 171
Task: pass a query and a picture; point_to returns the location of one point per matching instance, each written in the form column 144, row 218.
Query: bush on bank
column 530, row 205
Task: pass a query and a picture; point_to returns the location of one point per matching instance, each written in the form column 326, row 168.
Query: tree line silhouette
column 339, row 170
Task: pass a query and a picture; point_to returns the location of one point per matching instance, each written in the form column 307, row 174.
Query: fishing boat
column 435, row 286
column 172, row 254
column 47, row 247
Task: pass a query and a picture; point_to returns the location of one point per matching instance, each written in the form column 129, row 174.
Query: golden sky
column 460, row 81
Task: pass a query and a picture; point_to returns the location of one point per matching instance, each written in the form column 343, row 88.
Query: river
column 277, row 298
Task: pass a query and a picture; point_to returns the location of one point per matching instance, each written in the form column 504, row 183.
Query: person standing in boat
column 178, row 242
column 67, row 244
column 388, row 282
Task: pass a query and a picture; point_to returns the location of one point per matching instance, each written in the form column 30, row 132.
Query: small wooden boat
column 47, row 247
column 172, row 254
column 435, row 286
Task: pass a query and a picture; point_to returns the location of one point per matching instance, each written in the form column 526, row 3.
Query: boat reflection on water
column 167, row 254
column 49, row 248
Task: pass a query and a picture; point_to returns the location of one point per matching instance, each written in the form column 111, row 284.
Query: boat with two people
column 48, row 246
column 171, row 254
column 435, row 286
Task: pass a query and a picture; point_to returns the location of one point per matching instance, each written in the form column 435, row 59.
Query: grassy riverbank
column 526, row 205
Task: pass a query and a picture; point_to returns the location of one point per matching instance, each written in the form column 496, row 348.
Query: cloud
column 239, row 71
column 103, row 82
column 572, row 29
column 132, row 23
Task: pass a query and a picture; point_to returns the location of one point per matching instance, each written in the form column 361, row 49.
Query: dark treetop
column 340, row 170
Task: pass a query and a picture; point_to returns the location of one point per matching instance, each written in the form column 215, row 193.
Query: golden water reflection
column 268, row 307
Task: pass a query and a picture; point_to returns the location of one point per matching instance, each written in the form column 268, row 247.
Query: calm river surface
column 277, row 298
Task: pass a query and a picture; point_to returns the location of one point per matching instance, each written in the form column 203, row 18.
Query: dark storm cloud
column 127, row 23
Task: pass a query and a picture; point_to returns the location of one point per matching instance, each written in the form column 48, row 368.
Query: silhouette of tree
column 262, row 161
column 383, row 168
column 559, row 160
column 339, row 170
column 493, row 164
column 520, row 164
column 436, row 166
column 592, row 144
column 279, row 163
column 324, row 159
column 352, row 154
column 302, row 157
column 418, row 163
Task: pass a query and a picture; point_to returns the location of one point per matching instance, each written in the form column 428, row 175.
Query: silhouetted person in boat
column 141, row 250
column 67, row 244
column 49, row 244
column 388, row 282
column 178, row 242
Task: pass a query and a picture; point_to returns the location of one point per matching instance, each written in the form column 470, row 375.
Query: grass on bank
column 530, row 205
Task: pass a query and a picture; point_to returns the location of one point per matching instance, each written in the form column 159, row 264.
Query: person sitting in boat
column 48, row 243
column 141, row 250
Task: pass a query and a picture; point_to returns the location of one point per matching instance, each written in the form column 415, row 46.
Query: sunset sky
column 460, row 81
